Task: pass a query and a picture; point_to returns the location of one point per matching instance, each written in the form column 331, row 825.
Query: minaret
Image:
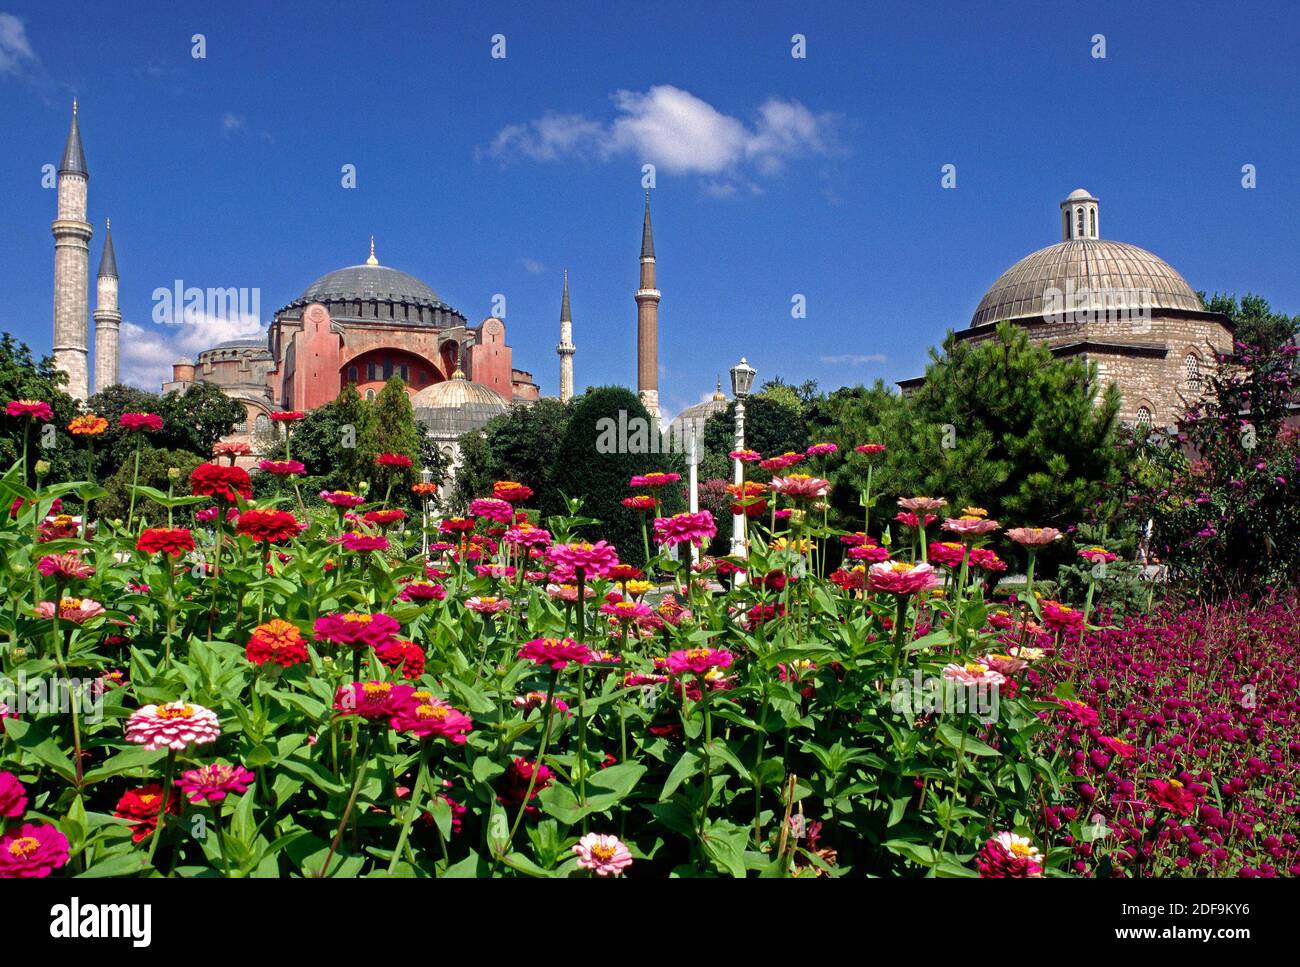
column 647, row 322
column 566, row 349
column 108, row 319
column 72, row 267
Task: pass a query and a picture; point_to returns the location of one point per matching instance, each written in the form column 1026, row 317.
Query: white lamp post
column 742, row 378
column 692, row 462
column 426, row 476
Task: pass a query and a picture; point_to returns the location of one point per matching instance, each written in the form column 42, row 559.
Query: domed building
column 360, row 325
column 1116, row 305
column 453, row 407
column 697, row 415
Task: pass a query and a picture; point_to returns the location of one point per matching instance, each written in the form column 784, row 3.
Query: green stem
column 162, row 809
column 414, row 809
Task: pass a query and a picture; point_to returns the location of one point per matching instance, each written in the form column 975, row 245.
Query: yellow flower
column 88, row 425
column 638, row 588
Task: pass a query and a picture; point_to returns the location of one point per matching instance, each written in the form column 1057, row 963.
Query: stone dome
column 457, row 406
column 1130, row 277
column 367, row 282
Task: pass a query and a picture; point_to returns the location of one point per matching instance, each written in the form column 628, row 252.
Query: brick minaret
column 108, row 318
column 72, row 267
column 647, row 322
column 566, row 349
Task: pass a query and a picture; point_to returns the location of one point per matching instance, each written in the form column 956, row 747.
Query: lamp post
column 742, row 378
column 426, row 477
column 692, row 463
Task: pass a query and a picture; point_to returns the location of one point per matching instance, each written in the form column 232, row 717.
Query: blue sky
column 776, row 176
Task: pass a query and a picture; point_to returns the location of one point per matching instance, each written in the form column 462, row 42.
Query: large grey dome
column 1085, row 264
column 367, row 282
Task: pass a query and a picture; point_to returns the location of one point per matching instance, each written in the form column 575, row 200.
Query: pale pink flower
column 801, row 486
column 603, row 854
column 486, row 604
column 898, row 577
column 973, row 673
column 76, row 610
column 923, row 504
column 969, row 526
column 172, row 726
column 1034, row 536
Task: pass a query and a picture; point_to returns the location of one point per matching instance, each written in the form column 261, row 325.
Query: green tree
column 154, row 467
column 23, row 378
column 1006, row 425
column 396, row 431
column 517, row 445
column 581, row 469
column 1257, row 324
column 774, row 423
column 336, row 443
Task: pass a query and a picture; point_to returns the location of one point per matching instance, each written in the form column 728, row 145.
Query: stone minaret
column 1079, row 216
column 108, row 319
column 647, row 322
column 566, row 349
column 72, row 267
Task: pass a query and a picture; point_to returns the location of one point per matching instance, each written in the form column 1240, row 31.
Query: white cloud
column 679, row 132
column 851, row 359
column 532, row 266
column 147, row 352
column 233, row 123
column 15, row 49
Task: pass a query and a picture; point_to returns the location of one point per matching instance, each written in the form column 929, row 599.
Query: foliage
column 1255, row 321
column 155, row 467
column 774, row 423
column 23, row 378
column 518, row 445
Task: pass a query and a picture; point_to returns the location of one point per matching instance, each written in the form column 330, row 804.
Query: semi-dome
column 1125, row 276
column 457, row 406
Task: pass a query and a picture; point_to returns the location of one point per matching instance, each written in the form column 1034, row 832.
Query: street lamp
column 426, row 477
column 742, row 379
column 693, row 464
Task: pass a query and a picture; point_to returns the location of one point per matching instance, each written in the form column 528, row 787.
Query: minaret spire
column 647, row 322
column 72, row 235
column 566, row 349
column 372, row 260
column 108, row 317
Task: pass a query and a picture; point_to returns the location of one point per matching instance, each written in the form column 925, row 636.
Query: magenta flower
column 13, row 797
column 697, row 529
column 821, row 449
column 969, row 525
column 487, row 604
column 372, row 700
column 135, row 422
column 363, row 543
column 65, row 567
column 342, row 498
column 32, row 851
column 592, row 560
column 281, row 468
column 425, row 715
column 897, row 577
column 214, row 781
column 32, row 409
column 490, row 508
column 655, row 479
column 174, row 726
column 698, row 660
column 556, row 652
column 356, row 628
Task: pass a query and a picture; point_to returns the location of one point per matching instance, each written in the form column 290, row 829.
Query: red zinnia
column 289, row 416
column 142, row 806
column 393, row 460
column 140, row 421
column 277, row 641
column 166, row 540
column 212, row 480
column 270, row 526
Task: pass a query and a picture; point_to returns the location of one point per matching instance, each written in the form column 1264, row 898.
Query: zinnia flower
column 490, row 508
column 1096, row 555
column 923, row 504
column 433, row 716
column 87, row 425
column 281, row 468
column 372, row 700
column 1174, row 796
column 65, row 567
column 422, row 591
column 215, row 781
column 697, row 529
column 384, row 518
column 1034, row 536
column 32, row 409
column 655, row 479
column 289, row 416
column 639, row 502
column 342, row 498
column 276, row 641
column 745, row 456
column 603, row 854
column 592, row 560
column 556, row 652
column 165, row 540
column 172, row 726
column 511, row 491
column 801, row 486
column 973, row 673
column 268, row 526
column 13, row 797
column 355, row 628
column 363, row 543
column 897, row 577
column 32, row 851
column 821, row 449
column 142, row 806
column 986, row 560
column 76, row 610
column 231, row 449
column 225, row 483
column 698, row 660
column 136, row 422
column 970, row 525
column 405, row 656
column 1007, row 855
column 1060, row 617
column 487, row 604
column 870, row 449
column 515, row 781
column 393, row 460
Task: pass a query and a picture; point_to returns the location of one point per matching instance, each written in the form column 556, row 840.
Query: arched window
column 370, row 394
column 1092, row 218
column 1192, row 369
column 352, row 374
column 1144, row 418
column 1078, row 232
column 262, row 424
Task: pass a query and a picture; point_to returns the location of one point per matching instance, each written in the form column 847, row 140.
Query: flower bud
column 42, row 467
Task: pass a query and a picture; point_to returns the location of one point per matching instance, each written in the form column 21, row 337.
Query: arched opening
column 1143, row 418
column 1192, row 373
column 1078, row 223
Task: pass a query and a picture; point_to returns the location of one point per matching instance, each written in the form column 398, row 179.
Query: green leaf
column 686, row 766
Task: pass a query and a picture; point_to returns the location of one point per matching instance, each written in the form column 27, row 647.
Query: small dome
column 1080, row 194
column 457, row 406
column 1085, row 264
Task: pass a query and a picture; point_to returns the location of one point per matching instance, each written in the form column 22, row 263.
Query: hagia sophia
column 1137, row 319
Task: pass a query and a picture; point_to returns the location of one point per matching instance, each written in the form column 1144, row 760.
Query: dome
column 457, row 406
column 366, row 282
column 1085, row 264
column 700, row 412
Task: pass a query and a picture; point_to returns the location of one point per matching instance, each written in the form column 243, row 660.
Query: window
column 1078, row 231
column 1144, row 418
column 370, row 394
column 402, row 372
column 1092, row 218
column 1192, row 369
column 372, row 371
column 262, row 424
column 352, row 374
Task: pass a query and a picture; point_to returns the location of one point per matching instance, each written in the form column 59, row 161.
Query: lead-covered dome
column 1127, row 277
column 457, row 406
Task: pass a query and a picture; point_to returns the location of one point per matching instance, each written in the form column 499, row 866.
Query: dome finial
column 372, row 260
column 74, row 107
column 718, row 395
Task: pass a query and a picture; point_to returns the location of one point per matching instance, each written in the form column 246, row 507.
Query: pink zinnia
column 628, row 611
column 393, row 460
column 801, row 486
column 897, row 577
column 593, row 560
column 925, row 504
column 289, row 416
column 76, row 610
column 425, row 715
column 745, row 456
column 556, row 652
column 65, row 567
column 821, row 449
column 1060, row 617
column 33, row 409
column 603, row 854
column 362, row 543
column 969, row 525
column 527, row 536
column 870, row 449
column 140, row 421
column 172, row 726
column 487, row 604
column 698, row 660
column 973, row 673
column 1009, row 856
column 342, row 498
column 1097, row 555
column 422, row 591
column 1034, row 536
column 654, row 479
column 697, row 528
column 491, row 508
column 32, row 851
column 215, row 781
column 355, row 628
column 13, row 797
column 372, row 700
column 281, row 468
